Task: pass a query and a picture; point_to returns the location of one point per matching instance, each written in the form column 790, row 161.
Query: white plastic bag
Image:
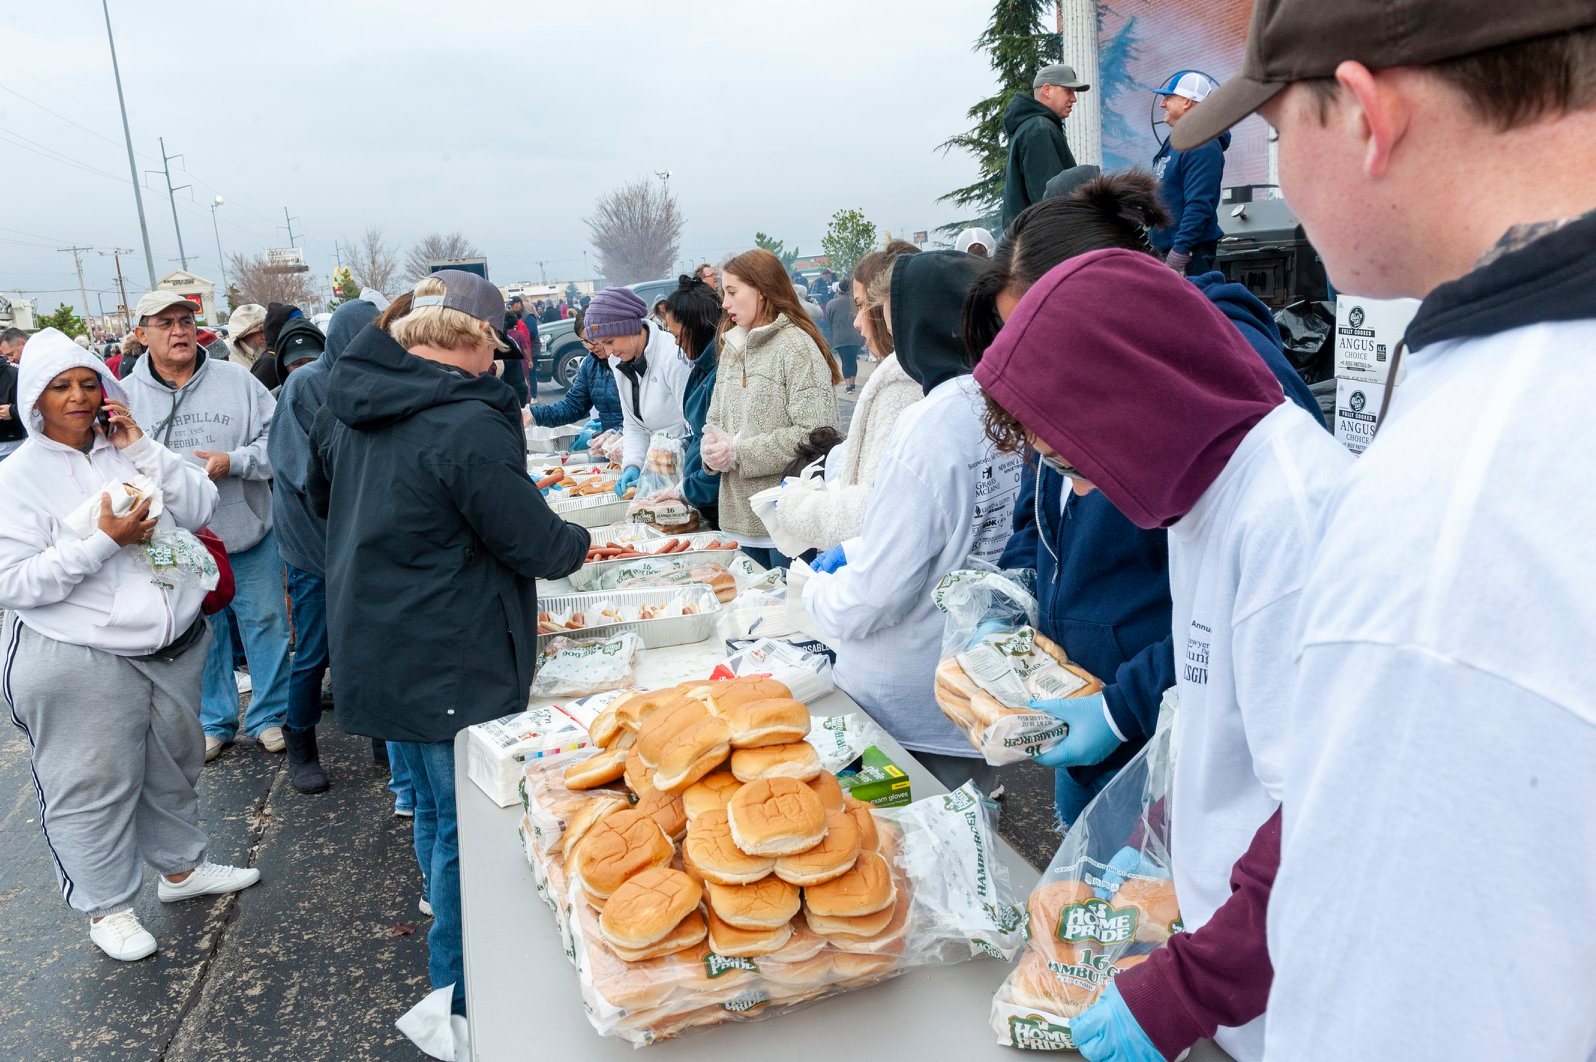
column 807, row 675
column 766, row 504
column 173, row 557
column 1105, row 901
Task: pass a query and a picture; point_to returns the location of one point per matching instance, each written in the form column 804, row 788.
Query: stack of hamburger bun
column 731, row 874
column 1065, row 965
column 977, row 712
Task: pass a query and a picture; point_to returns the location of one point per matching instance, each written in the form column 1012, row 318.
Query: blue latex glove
column 1090, row 739
column 1126, row 862
column 628, row 478
column 830, row 560
column 1108, row 1032
column 984, row 628
column 586, row 436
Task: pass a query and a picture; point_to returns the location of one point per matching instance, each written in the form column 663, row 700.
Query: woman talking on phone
column 104, row 644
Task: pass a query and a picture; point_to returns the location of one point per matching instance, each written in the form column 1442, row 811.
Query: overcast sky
column 503, row 120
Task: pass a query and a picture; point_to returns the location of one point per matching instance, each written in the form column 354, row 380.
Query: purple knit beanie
column 615, row 312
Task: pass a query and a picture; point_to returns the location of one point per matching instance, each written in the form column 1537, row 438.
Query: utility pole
column 221, row 263
column 77, row 261
column 338, row 254
column 290, row 226
column 116, row 254
column 171, row 194
column 543, row 273
column 127, row 136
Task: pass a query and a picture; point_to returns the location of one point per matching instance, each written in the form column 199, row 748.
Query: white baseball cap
column 1194, row 85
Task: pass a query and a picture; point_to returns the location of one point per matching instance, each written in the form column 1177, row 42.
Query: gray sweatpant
column 117, row 749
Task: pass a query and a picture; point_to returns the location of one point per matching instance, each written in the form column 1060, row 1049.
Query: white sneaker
column 208, row 879
column 122, row 936
column 213, row 747
column 426, row 908
column 245, row 683
column 271, row 739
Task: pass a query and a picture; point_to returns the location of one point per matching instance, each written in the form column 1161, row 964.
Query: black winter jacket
column 14, row 429
column 435, row 540
column 1038, row 152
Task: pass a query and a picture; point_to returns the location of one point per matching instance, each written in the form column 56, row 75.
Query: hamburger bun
column 710, row 850
column 637, row 774
column 631, row 711
column 648, row 906
column 857, row 968
column 1046, row 908
column 674, row 780
column 709, row 793
column 735, row 942
column 774, row 817
column 596, row 770
column 1034, row 985
column 865, row 889
column 772, row 721
column 665, row 809
column 806, row 972
column 765, row 904
column 586, row 814
column 833, row 857
column 615, row 848
column 623, row 985
column 864, row 927
column 691, row 930
column 829, row 791
column 797, row 759
column 1157, row 909
column 804, row 944
column 888, row 940
column 864, row 816
column 725, row 695
column 666, row 724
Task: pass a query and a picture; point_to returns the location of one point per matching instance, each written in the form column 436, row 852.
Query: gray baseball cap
column 468, row 293
column 1061, row 74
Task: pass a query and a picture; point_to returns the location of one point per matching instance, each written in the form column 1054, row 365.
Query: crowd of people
column 1376, row 667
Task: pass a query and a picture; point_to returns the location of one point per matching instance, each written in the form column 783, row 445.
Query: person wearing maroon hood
column 1126, row 379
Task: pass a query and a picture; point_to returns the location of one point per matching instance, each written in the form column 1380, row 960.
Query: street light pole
column 220, row 261
column 127, row 136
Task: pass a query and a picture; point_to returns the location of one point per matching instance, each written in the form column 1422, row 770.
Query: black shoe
column 304, row 761
column 379, row 754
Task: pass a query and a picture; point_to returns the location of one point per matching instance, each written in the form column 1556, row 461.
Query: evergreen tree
column 1018, row 47
column 777, row 248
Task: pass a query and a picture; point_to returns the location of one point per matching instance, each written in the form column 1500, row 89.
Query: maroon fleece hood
column 1121, row 365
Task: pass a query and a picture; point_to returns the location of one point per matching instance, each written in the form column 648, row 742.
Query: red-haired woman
column 773, row 387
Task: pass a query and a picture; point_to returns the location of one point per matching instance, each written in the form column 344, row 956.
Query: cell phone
column 104, row 418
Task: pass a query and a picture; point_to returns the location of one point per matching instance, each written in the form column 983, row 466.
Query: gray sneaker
column 214, row 747
column 271, row 739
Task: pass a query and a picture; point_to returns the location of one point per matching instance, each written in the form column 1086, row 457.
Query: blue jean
column 1070, row 797
column 260, row 609
column 404, row 794
column 307, row 594
column 436, row 829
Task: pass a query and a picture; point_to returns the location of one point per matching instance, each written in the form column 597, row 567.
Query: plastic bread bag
column 995, row 662
column 842, row 739
column 760, row 609
column 662, row 466
column 806, row 674
column 173, row 557
column 571, row 667
column 1105, row 901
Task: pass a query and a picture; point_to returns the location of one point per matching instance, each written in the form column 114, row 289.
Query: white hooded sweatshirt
column 88, row 591
column 659, row 397
column 942, row 495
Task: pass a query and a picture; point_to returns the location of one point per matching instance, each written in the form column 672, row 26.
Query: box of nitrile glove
column 875, row 779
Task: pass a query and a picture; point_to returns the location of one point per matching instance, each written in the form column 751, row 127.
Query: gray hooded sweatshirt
column 222, row 409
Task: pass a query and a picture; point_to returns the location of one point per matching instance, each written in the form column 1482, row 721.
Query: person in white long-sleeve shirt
column 943, row 494
column 650, row 374
column 1436, row 896
column 104, row 644
column 1124, row 377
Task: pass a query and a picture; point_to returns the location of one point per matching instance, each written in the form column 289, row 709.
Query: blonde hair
column 439, row 326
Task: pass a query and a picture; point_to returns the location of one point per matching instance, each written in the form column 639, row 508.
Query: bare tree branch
column 433, row 246
column 637, row 231
column 374, row 263
column 248, row 276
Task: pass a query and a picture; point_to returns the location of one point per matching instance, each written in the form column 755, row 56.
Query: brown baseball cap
column 1293, row 40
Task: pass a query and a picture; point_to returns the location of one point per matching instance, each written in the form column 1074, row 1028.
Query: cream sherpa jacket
column 772, row 388
column 825, row 518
